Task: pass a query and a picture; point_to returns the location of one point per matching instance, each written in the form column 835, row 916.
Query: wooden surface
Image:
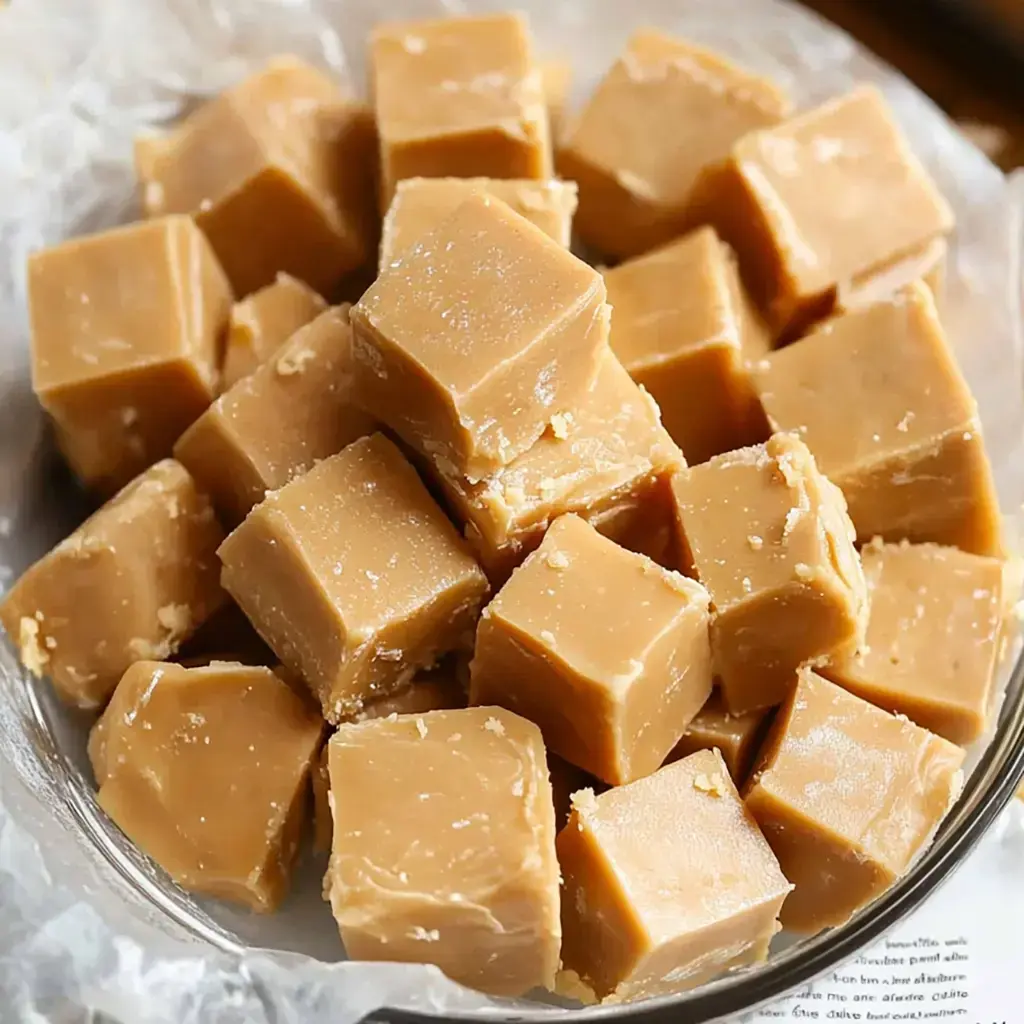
column 975, row 82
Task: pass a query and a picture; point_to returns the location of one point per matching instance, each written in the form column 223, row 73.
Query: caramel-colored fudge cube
column 482, row 332
column 462, row 871
column 879, row 399
column 847, row 795
column 278, row 171
column 932, row 639
column 125, row 329
column 684, row 328
column 667, row 882
column 610, row 461
column 822, row 202
column 422, row 203
column 666, row 110
column 206, row 770
column 263, row 322
column 736, row 737
column 606, row 651
column 458, row 97
column 436, row 690
column 277, row 423
column 134, row 581
column 769, row 536
column 354, row 577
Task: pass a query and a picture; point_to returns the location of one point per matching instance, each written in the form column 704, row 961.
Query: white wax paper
column 87, row 927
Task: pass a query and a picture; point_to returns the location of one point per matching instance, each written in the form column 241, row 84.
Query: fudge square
column 278, row 172
column 610, row 461
column 295, row 409
column 354, row 577
column 461, row 872
column 207, row 770
column 769, row 536
column 134, row 581
column 458, row 97
column 482, row 332
column 847, row 795
column 665, row 111
column 125, row 333
column 606, row 651
column 684, row 328
column 822, row 202
column 422, row 203
column 879, row 399
column 668, row 882
column 261, row 323
column 932, row 640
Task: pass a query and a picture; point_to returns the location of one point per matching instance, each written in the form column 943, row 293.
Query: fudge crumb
column 421, row 728
column 748, row 586
column 904, row 424
column 803, row 571
column 755, row 542
column 583, row 801
column 547, row 637
column 712, row 785
column 560, row 424
column 420, row 934
column 294, row 362
column 175, row 618
column 33, row 657
column 557, row 560
column 493, row 725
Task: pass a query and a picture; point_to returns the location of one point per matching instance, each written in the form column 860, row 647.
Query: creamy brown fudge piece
column 609, row 461
column 927, row 264
column 556, row 81
column 685, row 329
column 125, row 334
column 296, row 409
column 769, row 536
column 461, row 871
column 879, row 399
column 481, row 333
column 263, row 322
column 458, row 97
column 932, row 640
column 277, row 171
column 667, row 882
column 422, row 203
column 822, row 202
column 354, row 576
column 736, row 737
column 606, row 651
column 847, row 795
column 436, row 690
column 666, row 110
column 206, row 770
column 133, row 582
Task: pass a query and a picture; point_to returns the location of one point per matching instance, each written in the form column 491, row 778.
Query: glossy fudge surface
column 847, row 795
column 478, row 335
column 354, row 576
column 606, row 651
column 133, row 582
column 667, row 882
column 125, row 334
column 933, row 637
column 769, row 537
column 206, row 770
column 665, row 111
column 462, row 870
column 460, row 97
column 879, row 399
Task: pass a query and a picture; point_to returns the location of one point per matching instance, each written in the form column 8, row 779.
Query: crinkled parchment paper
column 88, row 927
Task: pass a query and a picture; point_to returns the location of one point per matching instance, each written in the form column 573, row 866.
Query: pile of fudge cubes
column 614, row 617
